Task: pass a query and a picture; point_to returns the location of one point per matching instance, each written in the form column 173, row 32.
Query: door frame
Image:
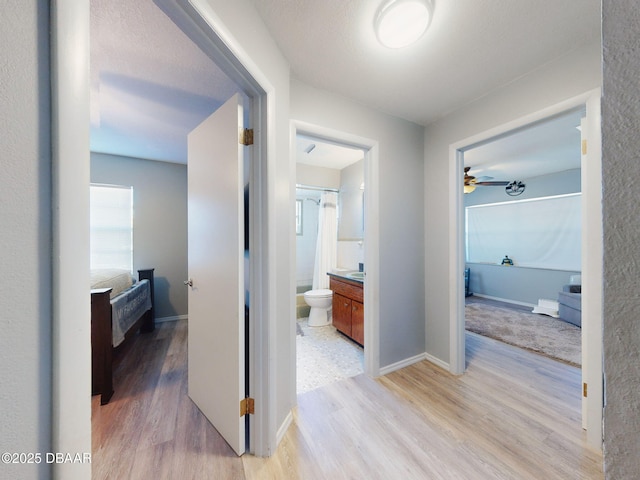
column 371, row 235
column 592, row 250
column 71, row 404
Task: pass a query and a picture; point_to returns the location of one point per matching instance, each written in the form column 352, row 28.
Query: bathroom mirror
column 351, row 203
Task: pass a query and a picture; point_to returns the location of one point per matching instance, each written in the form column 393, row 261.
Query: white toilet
column 320, row 302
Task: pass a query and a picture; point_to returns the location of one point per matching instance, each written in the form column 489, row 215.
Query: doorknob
column 189, row 283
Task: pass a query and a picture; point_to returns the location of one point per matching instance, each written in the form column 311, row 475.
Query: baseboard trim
column 402, row 364
column 505, row 300
column 284, row 427
column 436, row 361
column 172, row 319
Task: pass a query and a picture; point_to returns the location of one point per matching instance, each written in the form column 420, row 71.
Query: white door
column 215, row 259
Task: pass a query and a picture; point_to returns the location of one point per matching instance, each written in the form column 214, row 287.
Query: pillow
column 117, row 279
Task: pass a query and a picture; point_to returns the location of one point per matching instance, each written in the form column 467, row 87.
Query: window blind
column 541, row 233
column 111, row 225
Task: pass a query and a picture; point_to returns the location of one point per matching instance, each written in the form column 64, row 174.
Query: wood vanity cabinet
column 348, row 307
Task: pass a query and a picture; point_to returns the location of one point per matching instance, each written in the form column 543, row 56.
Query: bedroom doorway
column 591, row 249
column 71, row 26
column 537, row 228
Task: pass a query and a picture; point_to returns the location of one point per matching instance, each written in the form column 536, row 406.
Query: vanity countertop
column 349, row 275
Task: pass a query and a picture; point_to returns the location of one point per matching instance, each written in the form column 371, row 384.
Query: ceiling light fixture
column 400, row 23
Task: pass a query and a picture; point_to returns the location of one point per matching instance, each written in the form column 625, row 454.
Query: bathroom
column 330, row 199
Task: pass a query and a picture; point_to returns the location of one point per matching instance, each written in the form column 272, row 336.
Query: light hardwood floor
column 513, row 415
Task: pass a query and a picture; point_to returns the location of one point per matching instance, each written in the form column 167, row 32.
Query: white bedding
column 127, row 308
column 117, row 279
column 129, row 299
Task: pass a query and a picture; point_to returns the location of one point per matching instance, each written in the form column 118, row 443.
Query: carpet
column 539, row 333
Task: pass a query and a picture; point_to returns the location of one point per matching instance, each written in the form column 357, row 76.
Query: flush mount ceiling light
column 400, row 23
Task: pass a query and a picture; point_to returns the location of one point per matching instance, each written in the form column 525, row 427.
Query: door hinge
column 584, row 147
column 584, row 390
column 246, row 136
column 247, row 406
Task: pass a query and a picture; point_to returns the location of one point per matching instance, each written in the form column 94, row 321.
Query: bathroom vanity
column 348, row 305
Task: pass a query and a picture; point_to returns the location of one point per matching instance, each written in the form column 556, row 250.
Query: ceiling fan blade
column 493, row 184
column 484, row 178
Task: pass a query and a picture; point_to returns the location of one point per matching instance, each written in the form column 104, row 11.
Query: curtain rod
column 321, row 189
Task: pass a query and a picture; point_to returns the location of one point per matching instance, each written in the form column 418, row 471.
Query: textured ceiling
column 471, row 48
column 150, row 85
column 547, row 147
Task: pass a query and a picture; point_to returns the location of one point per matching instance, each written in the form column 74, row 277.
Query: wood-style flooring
column 512, row 415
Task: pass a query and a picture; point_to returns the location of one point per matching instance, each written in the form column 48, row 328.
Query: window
column 298, row 217
column 540, row 233
column 111, row 224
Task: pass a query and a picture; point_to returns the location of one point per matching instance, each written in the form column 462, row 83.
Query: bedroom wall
column 401, row 207
column 620, row 147
column 557, row 81
column 516, row 284
column 25, row 236
column 159, row 225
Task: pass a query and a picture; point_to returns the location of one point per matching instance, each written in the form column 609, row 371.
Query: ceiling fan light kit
column 399, row 23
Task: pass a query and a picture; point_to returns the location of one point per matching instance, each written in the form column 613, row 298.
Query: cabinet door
column 342, row 313
column 357, row 322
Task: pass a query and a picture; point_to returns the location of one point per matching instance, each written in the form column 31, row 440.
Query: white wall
column 159, row 223
column 314, row 176
column 567, row 77
column 400, row 211
column 620, row 162
column 25, row 219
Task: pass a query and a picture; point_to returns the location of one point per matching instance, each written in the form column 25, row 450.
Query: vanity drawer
column 354, row 292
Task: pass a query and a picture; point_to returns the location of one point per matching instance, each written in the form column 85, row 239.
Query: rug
column 539, row 333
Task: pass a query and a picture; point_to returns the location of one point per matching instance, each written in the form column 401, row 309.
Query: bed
column 120, row 306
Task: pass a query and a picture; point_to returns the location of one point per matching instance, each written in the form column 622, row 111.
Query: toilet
column 320, row 302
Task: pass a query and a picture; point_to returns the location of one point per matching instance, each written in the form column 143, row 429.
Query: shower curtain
column 327, row 244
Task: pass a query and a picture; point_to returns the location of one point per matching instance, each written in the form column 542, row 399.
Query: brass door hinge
column 584, row 390
column 584, row 147
column 247, row 406
column 246, row 136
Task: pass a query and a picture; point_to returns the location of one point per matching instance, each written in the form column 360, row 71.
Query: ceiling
column 547, row 147
column 151, row 85
column 321, row 153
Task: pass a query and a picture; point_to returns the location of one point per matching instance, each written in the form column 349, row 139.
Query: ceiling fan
column 513, row 188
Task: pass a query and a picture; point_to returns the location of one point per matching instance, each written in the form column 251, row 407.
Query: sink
column 356, row 275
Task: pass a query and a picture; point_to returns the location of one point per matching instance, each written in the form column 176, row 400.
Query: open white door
column 215, row 258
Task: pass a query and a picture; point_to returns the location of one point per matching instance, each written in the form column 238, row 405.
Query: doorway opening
column 330, row 197
column 591, row 244
column 523, row 245
column 363, row 205
column 71, row 162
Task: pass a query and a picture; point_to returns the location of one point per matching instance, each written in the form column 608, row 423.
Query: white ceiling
column 548, row 147
column 471, row 48
column 151, row 85
column 321, row 153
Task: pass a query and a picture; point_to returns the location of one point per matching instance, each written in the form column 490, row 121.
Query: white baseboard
column 437, row 361
column 172, row 319
column 283, row 428
column 402, row 364
column 410, row 361
column 505, row 300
